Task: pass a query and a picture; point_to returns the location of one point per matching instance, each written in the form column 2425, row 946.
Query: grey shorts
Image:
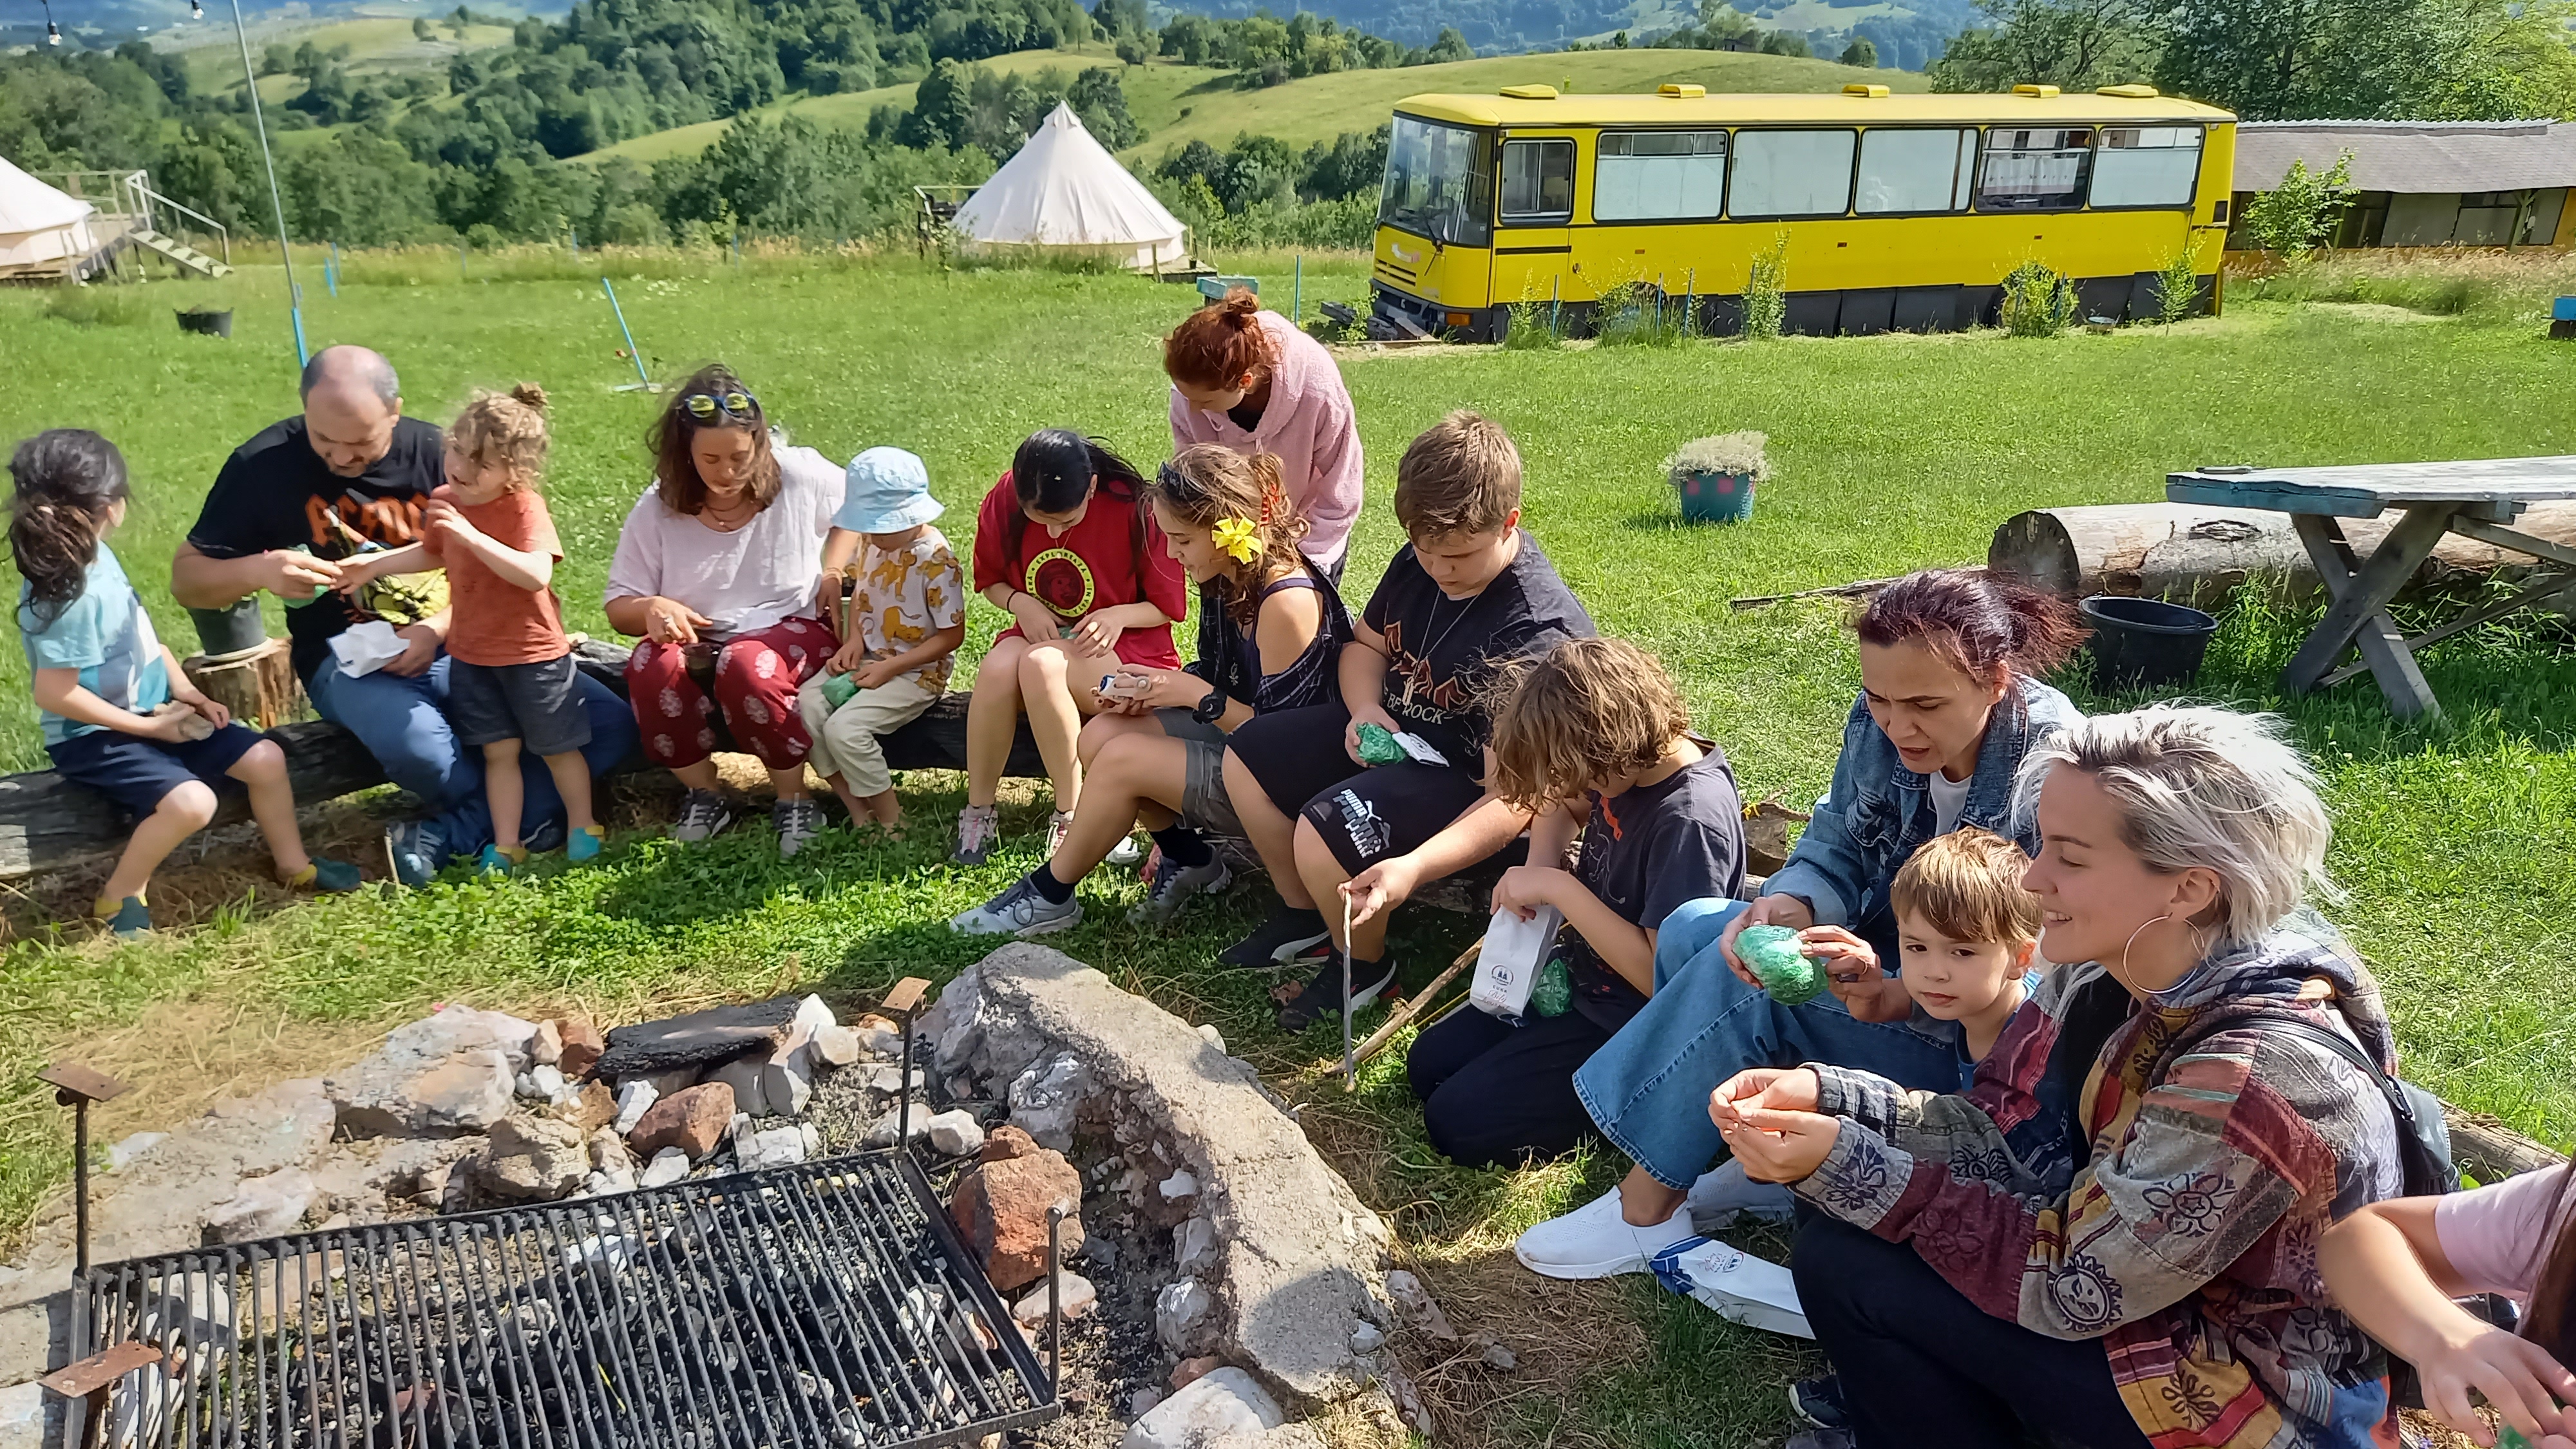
column 1205, row 806
column 539, row 705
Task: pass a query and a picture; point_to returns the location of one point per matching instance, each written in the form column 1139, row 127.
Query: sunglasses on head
column 733, row 403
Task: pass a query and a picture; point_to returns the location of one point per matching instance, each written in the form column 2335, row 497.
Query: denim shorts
column 537, row 704
column 137, row 773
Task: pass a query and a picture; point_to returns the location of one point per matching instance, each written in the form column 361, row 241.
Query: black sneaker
column 1320, row 998
column 1819, row 1401
column 1278, row 941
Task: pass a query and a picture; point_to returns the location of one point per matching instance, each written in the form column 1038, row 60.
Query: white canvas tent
column 41, row 229
column 1064, row 189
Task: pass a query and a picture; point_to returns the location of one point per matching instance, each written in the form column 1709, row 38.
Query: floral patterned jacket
column 2207, row 1156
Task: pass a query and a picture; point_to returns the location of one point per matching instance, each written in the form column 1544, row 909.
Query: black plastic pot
column 231, row 629
column 2145, row 643
column 207, row 322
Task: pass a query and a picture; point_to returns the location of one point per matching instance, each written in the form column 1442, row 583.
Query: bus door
column 1534, row 211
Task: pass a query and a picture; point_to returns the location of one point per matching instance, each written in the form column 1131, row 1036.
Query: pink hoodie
column 1308, row 424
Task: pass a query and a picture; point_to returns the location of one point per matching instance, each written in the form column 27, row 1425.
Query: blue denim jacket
column 1877, row 811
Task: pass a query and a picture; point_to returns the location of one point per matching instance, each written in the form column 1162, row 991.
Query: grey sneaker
column 703, row 815
column 1172, row 888
column 418, row 851
column 1057, row 825
column 796, row 821
column 1724, row 1196
column 1126, row 852
column 978, row 827
column 1019, row 911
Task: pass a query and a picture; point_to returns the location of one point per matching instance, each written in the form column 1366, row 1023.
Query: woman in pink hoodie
column 1248, row 380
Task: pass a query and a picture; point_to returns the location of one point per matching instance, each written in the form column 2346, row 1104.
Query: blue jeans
column 403, row 723
column 1648, row 1089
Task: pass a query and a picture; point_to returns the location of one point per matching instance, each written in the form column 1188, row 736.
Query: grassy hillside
column 1177, row 103
column 377, row 46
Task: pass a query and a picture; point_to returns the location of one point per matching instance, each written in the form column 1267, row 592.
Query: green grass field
column 1891, row 453
column 1178, row 104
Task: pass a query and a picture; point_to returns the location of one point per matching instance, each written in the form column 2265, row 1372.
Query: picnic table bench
column 2477, row 499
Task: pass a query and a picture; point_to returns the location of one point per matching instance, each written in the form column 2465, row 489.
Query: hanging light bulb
column 196, row 9
column 53, row 33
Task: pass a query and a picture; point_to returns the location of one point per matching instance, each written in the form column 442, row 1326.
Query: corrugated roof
column 2412, row 156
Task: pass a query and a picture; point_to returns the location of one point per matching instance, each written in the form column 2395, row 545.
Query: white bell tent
column 41, row 229
column 1064, row 189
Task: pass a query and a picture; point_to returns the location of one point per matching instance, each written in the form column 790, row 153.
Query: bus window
column 1659, row 176
column 1538, row 181
column 1915, row 171
column 1439, row 182
column 2034, row 168
column 1792, row 173
column 2146, row 166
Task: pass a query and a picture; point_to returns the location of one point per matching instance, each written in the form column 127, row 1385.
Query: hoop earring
column 2122, row 973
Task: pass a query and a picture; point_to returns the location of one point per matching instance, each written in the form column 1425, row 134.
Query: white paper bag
column 1509, row 963
column 1740, row 1287
column 362, row 649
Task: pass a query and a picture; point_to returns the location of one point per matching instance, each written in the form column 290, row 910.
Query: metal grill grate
column 828, row 1304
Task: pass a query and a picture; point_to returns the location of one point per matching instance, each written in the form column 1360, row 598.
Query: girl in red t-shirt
column 1062, row 545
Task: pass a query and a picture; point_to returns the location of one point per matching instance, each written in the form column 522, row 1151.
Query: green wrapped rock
column 1378, row 746
column 838, row 689
column 1772, row 954
column 1553, row 991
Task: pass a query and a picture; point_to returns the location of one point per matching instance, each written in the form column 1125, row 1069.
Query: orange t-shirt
column 496, row 622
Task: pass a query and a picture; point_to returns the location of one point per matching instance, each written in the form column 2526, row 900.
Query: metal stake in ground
column 1055, row 1299
column 76, row 1086
column 1350, row 1062
column 643, row 382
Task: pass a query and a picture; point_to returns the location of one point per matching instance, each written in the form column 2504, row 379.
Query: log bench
column 47, row 822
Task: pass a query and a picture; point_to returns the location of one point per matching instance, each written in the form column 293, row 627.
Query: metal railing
column 128, row 196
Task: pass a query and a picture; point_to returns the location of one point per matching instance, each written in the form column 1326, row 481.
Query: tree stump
column 257, row 684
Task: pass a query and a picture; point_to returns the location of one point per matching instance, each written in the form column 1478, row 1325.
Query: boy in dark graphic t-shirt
column 1469, row 592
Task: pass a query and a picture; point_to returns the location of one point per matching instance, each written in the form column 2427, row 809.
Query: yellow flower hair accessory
column 1237, row 536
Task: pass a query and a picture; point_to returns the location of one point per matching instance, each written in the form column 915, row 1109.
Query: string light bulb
column 53, row 32
column 196, row 9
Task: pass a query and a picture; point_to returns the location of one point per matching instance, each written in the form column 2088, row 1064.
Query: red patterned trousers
column 754, row 696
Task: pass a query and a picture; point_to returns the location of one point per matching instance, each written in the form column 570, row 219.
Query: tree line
column 2285, row 59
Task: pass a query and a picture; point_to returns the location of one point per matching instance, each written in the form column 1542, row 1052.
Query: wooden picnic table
column 2477, row 499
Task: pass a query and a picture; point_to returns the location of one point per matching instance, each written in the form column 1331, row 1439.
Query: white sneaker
column 1057, row 825
column 1594, row 1241
column 1125, row 852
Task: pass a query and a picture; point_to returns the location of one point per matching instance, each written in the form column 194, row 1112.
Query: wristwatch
column 1210, row 709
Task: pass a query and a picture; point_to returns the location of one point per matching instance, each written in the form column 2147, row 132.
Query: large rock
column 698, row 1040
column 444, row 1074
column 264, row 1208
column 534, row 1159
column 1001, row 1209
column 1224, row 1409
column 693, row 1121
column 582, row 1048
column 1294, row 1260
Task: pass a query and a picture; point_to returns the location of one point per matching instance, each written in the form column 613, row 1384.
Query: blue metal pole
column 632, row 355
column 276, row 201
column 331, row 268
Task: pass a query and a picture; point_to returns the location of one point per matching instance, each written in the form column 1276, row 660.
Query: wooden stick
column 1838, row 591
column 1404, row 1015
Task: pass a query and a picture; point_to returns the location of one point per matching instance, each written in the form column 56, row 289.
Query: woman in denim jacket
column 1950, row 704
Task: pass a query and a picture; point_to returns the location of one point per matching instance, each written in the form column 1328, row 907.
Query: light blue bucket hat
column 888, row 491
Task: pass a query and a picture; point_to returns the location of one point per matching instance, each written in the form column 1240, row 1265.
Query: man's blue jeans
column 1648, row 1089
column 403, row 723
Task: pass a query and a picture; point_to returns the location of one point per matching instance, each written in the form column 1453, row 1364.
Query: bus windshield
column 1440, row 182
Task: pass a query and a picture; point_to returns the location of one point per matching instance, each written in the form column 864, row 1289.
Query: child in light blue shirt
column 119, row 714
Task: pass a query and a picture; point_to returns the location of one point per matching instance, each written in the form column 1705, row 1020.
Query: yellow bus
column 1899, row 212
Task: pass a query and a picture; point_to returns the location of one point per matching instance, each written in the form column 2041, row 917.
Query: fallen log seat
column 47, row 822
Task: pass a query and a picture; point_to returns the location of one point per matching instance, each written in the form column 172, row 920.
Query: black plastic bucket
column 231, row 629
column 2145, row 643
column 207, row 322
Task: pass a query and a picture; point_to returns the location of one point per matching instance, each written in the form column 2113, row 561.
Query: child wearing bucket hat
column 904, row 615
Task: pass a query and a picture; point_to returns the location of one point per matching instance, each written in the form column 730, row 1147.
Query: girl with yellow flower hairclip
column 1270, row 629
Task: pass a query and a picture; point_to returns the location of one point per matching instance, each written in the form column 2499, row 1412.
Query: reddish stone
column 1001, row 1209
column 1191, row 1370
column 693, row 1121
column 1006, row 1142
column 582, row 1046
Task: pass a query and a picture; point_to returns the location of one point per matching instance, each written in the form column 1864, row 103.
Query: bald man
column 268, row 525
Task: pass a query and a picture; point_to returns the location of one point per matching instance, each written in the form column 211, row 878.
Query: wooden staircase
column 179, row 252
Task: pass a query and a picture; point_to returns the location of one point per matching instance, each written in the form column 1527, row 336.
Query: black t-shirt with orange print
column 275, row 492
column 1645, row 852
